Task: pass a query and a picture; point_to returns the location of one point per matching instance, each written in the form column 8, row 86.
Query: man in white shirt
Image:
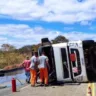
column 33, row 68
column 43, row 67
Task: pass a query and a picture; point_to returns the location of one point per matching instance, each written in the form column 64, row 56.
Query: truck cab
column 70, row 61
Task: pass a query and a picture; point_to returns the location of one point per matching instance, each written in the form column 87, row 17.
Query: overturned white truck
column 73, row 61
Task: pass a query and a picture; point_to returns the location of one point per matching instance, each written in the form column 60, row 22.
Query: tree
column 7, row 47
column 25, row 49
column 59, row 39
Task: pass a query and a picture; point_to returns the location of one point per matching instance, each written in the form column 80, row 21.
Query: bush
column 10, row 59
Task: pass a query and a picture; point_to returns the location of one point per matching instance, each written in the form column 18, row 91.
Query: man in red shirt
column 26, row 65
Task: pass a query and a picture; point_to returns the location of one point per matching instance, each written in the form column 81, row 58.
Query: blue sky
column 25, row 22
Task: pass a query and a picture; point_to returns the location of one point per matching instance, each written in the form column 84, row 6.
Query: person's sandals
column 41, row 84
column 45, row 85
column 32, row 85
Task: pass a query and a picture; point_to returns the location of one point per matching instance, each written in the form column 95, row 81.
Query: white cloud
column 68, row 28
column 85, row 23
column 3, row 40
column 80, row 36
column 20, row 35
column 66, row 11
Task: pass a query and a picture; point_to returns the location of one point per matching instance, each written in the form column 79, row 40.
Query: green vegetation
column 59, row 39
column 10, row 57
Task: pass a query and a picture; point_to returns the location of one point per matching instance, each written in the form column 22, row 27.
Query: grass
column 10, row 59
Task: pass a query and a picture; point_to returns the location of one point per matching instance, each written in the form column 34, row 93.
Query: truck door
column 77, row 61
column 62, row 62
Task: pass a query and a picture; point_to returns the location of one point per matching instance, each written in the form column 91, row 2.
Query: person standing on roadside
column 26, row 65
column 43, row 67
column 33, row 68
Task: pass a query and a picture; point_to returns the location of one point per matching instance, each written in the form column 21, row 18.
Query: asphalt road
column 6, row 89
column 62, row 90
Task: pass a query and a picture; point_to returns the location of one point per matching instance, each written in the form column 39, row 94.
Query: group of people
column 35, row 64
